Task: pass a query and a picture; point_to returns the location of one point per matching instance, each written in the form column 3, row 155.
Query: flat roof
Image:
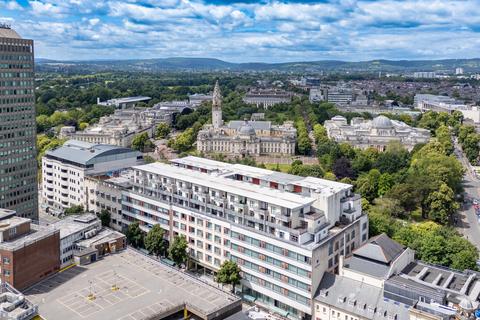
column 322, row 185
column 129, row 99
column 74, row 224
column 103, row 236
column 37, row 233
column 147, row 289
column 13, row 221
column 249, row 190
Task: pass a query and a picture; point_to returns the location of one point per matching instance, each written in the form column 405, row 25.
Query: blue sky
column 241, row 31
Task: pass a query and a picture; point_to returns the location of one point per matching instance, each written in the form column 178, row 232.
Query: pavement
column 126, row 286
column 468, row 223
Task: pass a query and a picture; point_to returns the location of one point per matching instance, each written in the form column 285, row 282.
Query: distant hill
column 209, row 64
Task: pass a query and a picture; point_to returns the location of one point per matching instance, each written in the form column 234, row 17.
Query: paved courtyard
column 127, row 286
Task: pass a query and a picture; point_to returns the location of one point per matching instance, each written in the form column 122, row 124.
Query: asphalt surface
column 468, row 223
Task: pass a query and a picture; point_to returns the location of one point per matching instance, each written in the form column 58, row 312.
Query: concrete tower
column 217, row 107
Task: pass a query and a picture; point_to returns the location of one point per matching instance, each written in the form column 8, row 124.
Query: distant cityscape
column 327, row 193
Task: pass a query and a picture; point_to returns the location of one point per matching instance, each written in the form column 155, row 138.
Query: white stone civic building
column 377, row 133
column 245, row 137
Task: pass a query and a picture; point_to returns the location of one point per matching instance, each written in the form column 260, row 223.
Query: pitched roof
column 380, row 248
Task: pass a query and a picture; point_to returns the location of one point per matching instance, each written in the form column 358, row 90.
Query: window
column 6, row 260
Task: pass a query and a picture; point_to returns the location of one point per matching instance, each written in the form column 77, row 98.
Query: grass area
column 282, row 167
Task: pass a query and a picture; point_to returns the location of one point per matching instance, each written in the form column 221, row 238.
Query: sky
column 248, row 30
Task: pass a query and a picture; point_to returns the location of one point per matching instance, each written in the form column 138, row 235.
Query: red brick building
column 28, row 252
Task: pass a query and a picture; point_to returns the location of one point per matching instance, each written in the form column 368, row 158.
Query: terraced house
column 284, row 231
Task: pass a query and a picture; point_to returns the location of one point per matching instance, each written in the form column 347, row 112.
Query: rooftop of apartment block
column 85, row 153
column 228, row 169
column 145, row 289
column 220, row 182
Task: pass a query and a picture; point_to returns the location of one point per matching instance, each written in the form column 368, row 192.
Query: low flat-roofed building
column 65, row 168
column 430, row 102
column 28, row 252
column 73, row 229
column 105, row 241
column 127, row 102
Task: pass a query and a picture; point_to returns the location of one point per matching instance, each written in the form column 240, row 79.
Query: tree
column 163, row 130
column 342, row 168
column 74, row 210
column 141, row 142
column 105, row 217
column 367, row 184
column 442, row 204
column 229, row 273
column 155, row 242
column 135, row 235
column 178, row 250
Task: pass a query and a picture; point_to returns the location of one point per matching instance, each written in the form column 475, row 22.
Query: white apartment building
column 105, row 193
column 73, row 229
column 284, row 231
column 64, row 170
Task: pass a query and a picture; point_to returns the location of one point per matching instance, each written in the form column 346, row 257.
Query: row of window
column 18, row 57
column 16, row 75
column 276, row 275
column 287, row 293
column 274, row 262
column 272, row 248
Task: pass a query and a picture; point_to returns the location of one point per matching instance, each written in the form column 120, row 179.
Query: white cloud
column 271, row 31
column 13, row 5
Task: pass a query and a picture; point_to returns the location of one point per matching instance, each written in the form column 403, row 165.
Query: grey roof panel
column 364, row 266
column 83, row 153
column 380, row 248
column 257, row 125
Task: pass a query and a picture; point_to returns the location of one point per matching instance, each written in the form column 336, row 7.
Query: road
column 468, row 224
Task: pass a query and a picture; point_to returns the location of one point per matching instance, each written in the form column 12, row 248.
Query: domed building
column 377, row 133
column 245, row 137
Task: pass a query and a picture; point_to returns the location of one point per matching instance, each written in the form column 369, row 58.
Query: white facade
column 245, row 137
column 117, row 129
column 73, row 229
column 429, row 102
column 284, row 231
column 377, row 133
column 106, row 194
column 64, row 170
column 267, row 98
